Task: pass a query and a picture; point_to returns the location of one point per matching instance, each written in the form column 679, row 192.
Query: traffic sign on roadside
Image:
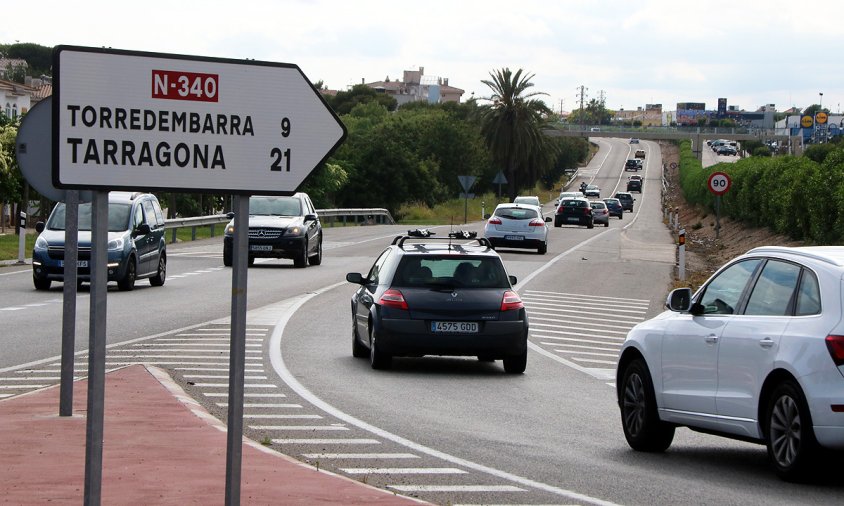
column 132, row 120
column 719, row 183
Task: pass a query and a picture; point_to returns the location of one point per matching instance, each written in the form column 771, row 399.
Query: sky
column 630, row 53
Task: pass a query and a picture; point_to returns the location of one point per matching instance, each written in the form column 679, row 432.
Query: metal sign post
column 69, row 290
column 96, row 350
column 466, row 183
column 719, row 183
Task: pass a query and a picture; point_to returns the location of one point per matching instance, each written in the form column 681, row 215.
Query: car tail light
column 394, row 299
column 587, row 210
column 511, row 301
column 536, row 222
column 495, row 220
column 835, row 345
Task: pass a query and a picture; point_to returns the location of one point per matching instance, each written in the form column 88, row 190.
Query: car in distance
column 726, row 150
column 530, row 200
column 136, row 245
column 600, row 213
column 279, row 227
column 634, row 184
column 438, row 296
column 574, row 211
column 614, row 207
column 517, row 226
column 592, row 190
column 634, row 141
column 626, row 199
column 565, row 195
column 632, row 164
column 756, row 354
column 640, row 153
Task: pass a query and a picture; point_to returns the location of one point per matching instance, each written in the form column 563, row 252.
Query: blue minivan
column 136, row 243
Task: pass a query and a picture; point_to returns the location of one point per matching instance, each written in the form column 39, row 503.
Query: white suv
column 756, row 354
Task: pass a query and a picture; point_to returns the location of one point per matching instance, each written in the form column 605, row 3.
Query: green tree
column 38, row 57
column 345, row 101
column 512, row 126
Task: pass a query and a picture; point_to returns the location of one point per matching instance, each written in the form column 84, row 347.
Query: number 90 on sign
column 719, row 183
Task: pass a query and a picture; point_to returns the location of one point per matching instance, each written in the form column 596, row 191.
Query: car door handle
column 766, row 343
column 711, row 338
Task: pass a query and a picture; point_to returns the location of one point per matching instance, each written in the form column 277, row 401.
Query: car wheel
column 127, row 283
column 543, row 248
column 227, row 257
column 558, row 223
column 590, row 225
column 516, row 364
column 621, row 216
column 791, row 443
column 41, row 284
column 316, row 259
column 607, row 224
column 251, row 261
column 301, row 259
column 377, row 358
column 161, row 275
column 643, row 429
column 358, row 349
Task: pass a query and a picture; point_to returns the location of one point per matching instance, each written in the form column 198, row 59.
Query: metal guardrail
column 354, row 216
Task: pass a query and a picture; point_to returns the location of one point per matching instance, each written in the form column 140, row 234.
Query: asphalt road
column 448, row 430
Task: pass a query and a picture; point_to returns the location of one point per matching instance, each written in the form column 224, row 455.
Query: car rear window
column 450, row 271
column 574, row 203
column 598, row 205
column 516, row 213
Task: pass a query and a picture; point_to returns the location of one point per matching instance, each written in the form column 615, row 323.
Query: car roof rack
column 427, row 235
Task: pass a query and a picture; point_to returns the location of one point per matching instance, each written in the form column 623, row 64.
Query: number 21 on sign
column 281, row 158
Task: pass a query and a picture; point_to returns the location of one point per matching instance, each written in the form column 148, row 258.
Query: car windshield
column 526, row 200
column 275, row 206
column 449, row 272
column 118, row 217
column 516, row 213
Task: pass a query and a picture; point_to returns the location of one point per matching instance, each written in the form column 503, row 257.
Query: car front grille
column 57, row 252
column 265, row 233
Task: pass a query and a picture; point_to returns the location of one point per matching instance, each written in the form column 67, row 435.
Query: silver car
column 517, row 226
column 600, row 212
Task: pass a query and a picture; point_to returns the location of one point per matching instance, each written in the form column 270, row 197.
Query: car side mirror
column 143, row 229
column 355, row 277
column 310, row 217
column 513, row 280
column 680, row 299
column 39, row 227
column 487, row 216
column 230, row 215
column 547, row 219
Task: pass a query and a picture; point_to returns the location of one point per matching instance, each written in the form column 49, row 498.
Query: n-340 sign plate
column 131, row 120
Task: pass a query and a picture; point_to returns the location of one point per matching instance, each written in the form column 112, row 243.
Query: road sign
column 466, row 182
column 719, row 183
column 132, row 120
column 35, row 152
column 807, row 121
column 500, row 178
column 821, row 117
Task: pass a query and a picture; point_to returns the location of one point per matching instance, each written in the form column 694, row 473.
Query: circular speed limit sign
column 719, row 183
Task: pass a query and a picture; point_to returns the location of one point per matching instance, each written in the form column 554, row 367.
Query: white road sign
column 719, row 183
column 132, row 120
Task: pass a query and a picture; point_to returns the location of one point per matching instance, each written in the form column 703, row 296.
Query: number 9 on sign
column 719, row 183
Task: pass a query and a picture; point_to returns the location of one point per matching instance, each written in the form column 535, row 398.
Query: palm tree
column 512, row 127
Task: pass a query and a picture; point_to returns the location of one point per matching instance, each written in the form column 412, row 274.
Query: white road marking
column 282, row 417
column 402, row 470
column 456, row 488
column 258, row 405
column 360, row 456
column 327, row 441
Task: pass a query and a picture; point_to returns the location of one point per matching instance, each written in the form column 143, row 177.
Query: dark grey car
column 450, row 296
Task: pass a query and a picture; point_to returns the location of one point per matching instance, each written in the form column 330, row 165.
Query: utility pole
column 582, row 96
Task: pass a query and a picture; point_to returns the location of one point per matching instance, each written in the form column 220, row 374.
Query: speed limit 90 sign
column 719, row 183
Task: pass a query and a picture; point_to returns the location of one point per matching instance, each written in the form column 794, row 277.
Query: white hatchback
column 756, row 354
column 517, row 226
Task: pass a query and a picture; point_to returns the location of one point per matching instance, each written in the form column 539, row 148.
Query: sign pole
column 97, row 350
column 237, row 354
column 717, row 215
column 70, row 288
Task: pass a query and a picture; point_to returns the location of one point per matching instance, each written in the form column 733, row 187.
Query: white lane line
column 361, row 456
column 402, row 470
column 588, row 353
column 142, row 349
column 456, row 488
column 226, row 385
column 561, row 346
column 16, row 387
column 590, row 326
column 593, row 361
column 257, row 394
column 3, row 396
column 609, row 310
column 582, row 334
column 162, row 362
column 192, row 357
column 214, row 369
column 578, row 316
column 550, row 327
column 48, row 378
column 218, row 376
column 253, row 416
column 309, row 428
column 198, row 344
column 281, row 369
column 255, row 405
column 327, row 441
column 578, row 296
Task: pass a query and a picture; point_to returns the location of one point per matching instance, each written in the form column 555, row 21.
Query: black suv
column 136, row 245
column 280, row 227
column 430, row 296
column 632, row 164
column 626, row 200
column 634, row 185
column 574, row 211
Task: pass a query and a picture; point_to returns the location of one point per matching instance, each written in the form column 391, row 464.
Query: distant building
column 8, row 64
column 651, row 115
column 15, row 98
column 415, row 86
